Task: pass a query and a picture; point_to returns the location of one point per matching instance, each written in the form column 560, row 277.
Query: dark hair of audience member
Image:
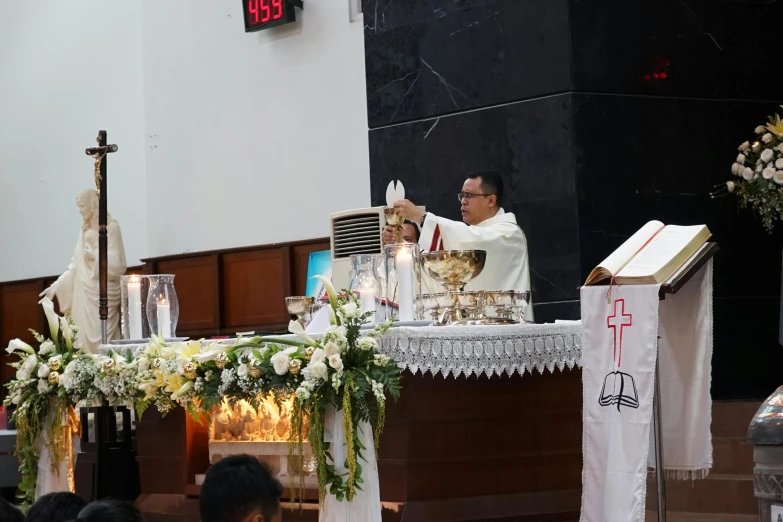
column 108, row 510
column 236, row 487
column 55, row 507
column 9, row 513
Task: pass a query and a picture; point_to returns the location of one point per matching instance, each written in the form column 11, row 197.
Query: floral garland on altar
column 759, row 167
column 342, row 370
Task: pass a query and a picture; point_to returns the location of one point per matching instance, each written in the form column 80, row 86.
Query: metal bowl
column 454, row 268
column 500, row 298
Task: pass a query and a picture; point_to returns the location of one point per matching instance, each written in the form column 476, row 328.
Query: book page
column 662, row 249
column 627, row 250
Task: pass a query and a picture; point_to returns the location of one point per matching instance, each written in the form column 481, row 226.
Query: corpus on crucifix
column 90, row 286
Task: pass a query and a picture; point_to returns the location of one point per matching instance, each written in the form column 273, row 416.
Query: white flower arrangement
column 759, row 167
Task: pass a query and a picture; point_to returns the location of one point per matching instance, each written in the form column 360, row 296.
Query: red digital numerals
column 263, row 11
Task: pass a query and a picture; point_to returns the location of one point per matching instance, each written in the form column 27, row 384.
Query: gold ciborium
column 454, row 269
column 300, row 307
column 393, row 219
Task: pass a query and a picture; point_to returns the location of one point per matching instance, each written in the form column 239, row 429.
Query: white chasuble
column 507, row 265
column 619, row 351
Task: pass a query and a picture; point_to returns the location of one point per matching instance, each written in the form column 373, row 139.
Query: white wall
column 52, row 103
column 256, row 137
column 226, row 138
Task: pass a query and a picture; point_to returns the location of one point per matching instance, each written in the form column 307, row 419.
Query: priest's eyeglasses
column 469, row 196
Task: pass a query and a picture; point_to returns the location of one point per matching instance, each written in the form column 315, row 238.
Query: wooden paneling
column 301, row 255
column 195, row 289
column 19, row 311
column 256, row 284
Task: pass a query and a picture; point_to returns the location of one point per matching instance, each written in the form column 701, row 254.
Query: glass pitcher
column 162, row 306
column 365, row 283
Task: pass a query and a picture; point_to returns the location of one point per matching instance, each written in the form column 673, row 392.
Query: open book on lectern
column 651, row 256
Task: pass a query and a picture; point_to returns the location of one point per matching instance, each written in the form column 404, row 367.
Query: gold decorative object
column 299, row 306
column 55, row 364
column 156, row 363
column 54, row 378
column 309, row 351
column 254, row 371
column 108, row 365
column 454, row 268
column 294, row 366
column 393, row 219
column 189, row 371
column 756, row 146
column 221, row 359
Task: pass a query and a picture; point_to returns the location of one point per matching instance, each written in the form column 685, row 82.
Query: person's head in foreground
column 481, row 197
column 55, row 507
column 110, row 511
column 9, row 513
column 410, row 232
column 240, row 489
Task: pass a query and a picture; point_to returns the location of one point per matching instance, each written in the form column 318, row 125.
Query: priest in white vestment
column 77, row 290
column 486, row 227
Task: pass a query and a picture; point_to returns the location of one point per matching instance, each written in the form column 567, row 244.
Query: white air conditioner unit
column 354, row 232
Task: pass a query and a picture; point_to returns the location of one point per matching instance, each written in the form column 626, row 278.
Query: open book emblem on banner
column 619, row 388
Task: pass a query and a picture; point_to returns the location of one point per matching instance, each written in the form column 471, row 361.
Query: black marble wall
column 602, row 115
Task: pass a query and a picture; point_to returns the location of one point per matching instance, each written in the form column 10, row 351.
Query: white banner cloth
column 619, row 350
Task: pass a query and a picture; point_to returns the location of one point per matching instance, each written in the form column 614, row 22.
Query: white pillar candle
column 164, row 318
column 134, row 308
column 367, row 298
column 404, row 262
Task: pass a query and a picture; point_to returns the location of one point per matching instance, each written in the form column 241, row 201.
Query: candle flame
column 134, row 279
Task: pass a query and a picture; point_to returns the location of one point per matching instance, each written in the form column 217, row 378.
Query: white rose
column 340, row 331
column 736, row 169
column 759, row 166
column 768, row 173
column 350, row 310
column 747, row 173
column 767, row 138
column 319, row 370
column 367, row 343
column 46, row 348
column 26, row 370
column 766, row 155
column 43, row 385
column 280, row 362
column 43, row 371
column 302, row 393
column 331, row 349
column 336, row 362
column 730, row 185
column 760, row 129
column 778, row 177
column 242, row 370
column 780, row 147
column 779, row 163
column 744, row 147
column 741, row 159
column 318, row 356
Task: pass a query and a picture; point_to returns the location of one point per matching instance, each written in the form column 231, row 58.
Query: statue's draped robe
column 79, row 287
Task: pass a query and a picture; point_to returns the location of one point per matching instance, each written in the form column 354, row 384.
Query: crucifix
column 99, row 155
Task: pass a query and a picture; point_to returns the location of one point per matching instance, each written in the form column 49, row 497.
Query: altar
column 487, row 428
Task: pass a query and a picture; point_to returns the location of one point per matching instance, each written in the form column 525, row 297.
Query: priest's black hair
column 9, row 512
column 491, row 183
column 415, row 228
column 108, row 510
column 237, row 486
column 55, row 507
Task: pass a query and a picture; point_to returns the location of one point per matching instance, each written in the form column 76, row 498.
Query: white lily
column 296, row 328
column 18, row 344
column 51, row 317
column 332, row 316
column 331, row 293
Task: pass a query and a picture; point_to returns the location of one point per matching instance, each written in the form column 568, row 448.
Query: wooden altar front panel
column 478, row 448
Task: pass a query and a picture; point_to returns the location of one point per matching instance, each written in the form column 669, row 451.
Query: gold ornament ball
column 294, row 366
column 221, row 360
column 108, row 365
column 756, row 146
column 309, row 351
column 155, row 364
column 190, row 370
column 54, row 378
column 254, row 371
column 54, row 364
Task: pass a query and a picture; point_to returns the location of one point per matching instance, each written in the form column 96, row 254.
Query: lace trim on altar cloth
column 484, row 350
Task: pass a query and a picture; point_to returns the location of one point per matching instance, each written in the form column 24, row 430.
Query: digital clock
column 262, row 14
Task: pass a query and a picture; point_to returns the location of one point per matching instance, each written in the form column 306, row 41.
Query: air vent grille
column 357, row 234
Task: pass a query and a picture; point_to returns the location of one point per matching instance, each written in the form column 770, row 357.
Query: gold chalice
column 299, row 306
column 395, row 220
column 454, row 269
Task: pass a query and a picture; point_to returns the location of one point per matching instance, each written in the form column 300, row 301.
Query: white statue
column 78, row 290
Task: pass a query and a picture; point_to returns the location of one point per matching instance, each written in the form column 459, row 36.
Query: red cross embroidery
column 613, row 321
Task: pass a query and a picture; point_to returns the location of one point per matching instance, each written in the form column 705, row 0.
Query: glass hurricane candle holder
column 134, row 289
column 162, row 306
column 403, row 281
column 365, row 282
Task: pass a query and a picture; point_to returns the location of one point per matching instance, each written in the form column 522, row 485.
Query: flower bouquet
column 759, row 167
column 44, row 415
